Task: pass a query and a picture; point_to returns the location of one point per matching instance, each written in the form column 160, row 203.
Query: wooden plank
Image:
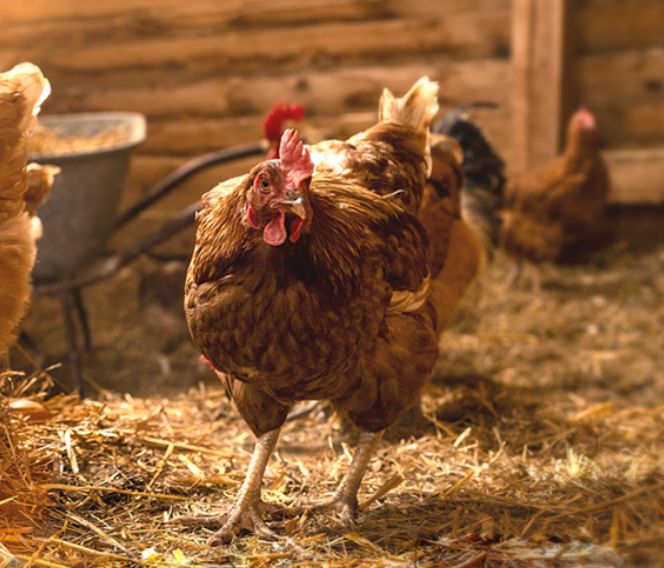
column 196, row 118
column 539, row 43
column 252, row 12
column 601, row 26
column 165, row 19
column 635, row 76
column 631, row 126
column 637, row 176
column 428, row 8
column 193, row 136
column 171, row 61
column 320, row 92
column 628, row 101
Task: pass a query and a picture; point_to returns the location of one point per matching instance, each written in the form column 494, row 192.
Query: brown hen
column 460, row 207
column 22, row 90
column 310, row 280
column 558, row 212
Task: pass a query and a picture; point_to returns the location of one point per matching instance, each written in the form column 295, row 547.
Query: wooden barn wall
column 619, row 68
column 205, row 72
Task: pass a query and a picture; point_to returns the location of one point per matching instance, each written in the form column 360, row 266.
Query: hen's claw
column 345, row 509
column 248, row 519
column 344, row 501
column 245, row 514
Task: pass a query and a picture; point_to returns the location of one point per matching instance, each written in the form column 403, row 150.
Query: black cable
column 187, row 170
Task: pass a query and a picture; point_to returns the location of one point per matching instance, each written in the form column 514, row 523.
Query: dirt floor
column 542, row 444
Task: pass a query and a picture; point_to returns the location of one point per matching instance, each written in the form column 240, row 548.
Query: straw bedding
column 542, row 444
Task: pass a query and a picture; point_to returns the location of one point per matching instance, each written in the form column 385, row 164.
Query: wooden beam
column 124, row 56
column 637, row 176
column 601, row 26
column 540, row 47
column 627, row 101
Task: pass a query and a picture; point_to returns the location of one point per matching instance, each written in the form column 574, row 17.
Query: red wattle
column 252, row 218
column 274, row 233
column 296, row 230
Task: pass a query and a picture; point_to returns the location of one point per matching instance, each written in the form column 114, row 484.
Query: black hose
column 187, row 170
column 112, row 264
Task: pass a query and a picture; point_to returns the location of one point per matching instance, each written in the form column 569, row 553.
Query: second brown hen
column 460, row 208
column 558, row 211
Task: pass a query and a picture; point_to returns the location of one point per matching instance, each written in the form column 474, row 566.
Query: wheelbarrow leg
column 29, row 342
column 77, row 295
column 68, row 306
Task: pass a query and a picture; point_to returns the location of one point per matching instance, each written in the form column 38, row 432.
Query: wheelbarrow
column 81, row 215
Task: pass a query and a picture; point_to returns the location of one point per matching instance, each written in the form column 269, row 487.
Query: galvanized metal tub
column 80, row 214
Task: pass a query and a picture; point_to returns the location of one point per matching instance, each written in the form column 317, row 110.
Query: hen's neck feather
column 330, row 255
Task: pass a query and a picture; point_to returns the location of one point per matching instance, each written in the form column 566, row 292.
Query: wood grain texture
column 539, row 47
column 205, row 72
column 628, row 100
column 243, row 12
column 618, row 70
column 636, row 176
column 320, row 91
column 602, row 26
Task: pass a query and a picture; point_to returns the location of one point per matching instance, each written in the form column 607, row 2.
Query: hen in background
column 558, row 212
column 460, row 212
column 465, row 194
column 275, row 122
column 483, row 171
column 22, row 90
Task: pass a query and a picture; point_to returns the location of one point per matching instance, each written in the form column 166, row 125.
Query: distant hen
column 558, row 211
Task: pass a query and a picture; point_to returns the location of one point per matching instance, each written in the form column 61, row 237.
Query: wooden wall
column 619, row 68
column 205, row 71
column 604, row 54
column 618, row 71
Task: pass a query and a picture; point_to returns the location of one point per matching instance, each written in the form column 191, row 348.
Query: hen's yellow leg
column 344, row 500
column 247, row 509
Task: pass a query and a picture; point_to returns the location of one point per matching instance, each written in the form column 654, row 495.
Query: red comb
column 273, row 125
column 295, row 157
column 585, row 119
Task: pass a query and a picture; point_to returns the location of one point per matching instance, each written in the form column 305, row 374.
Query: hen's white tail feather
column 27, row 79
column 417, row 109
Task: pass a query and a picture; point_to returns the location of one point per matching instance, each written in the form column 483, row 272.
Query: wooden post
column 540, row 48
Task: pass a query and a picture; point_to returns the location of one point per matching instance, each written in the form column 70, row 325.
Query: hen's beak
column 296, row 205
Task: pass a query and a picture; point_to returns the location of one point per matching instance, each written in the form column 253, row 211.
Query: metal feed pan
column 79, row 216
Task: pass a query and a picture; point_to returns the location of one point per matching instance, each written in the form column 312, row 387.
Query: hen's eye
column 263, row 184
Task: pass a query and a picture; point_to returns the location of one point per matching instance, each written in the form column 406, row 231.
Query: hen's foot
column 345, row 509
column 238, row 519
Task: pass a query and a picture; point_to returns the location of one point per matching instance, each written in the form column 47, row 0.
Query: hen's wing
column 393, row 156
